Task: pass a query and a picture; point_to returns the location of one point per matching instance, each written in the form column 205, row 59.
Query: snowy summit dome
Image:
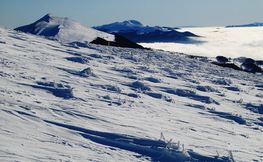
column 64, row 29
column 132, row 23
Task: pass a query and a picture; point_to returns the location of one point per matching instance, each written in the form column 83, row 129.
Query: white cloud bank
column 229, row 42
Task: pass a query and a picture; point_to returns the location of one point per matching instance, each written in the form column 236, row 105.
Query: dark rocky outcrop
column 250, row 66
column 120, row 41
column 228, row 65
column 222, row 59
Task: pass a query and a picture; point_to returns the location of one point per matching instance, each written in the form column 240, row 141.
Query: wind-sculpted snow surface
column 63, row 102
column 56, row 89
column 158, row 150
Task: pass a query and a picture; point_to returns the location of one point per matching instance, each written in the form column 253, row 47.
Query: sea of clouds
column 215, row 41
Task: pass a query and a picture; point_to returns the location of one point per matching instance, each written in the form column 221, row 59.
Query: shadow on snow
column 158, row 150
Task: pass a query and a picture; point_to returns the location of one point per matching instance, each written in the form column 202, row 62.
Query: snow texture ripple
column 60, row 102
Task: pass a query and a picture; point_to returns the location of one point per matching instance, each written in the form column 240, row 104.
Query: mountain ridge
column 140, row 33
column 69, row 31
column 246, row 25
column 130, row 25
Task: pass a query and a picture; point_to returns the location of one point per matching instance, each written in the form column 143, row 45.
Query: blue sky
column 173, row 13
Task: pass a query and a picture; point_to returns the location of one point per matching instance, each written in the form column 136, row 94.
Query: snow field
column 122, row 104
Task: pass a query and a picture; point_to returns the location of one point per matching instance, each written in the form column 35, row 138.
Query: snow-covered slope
column 138, row 32
column 101, row 103
column 64, row 29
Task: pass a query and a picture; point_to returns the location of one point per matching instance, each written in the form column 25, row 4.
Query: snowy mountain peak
column 50, row 15
column 47, row 17
column 64, row 30
column 132, row 23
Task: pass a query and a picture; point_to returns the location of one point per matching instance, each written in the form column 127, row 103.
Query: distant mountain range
column 70, row 31
column 140, row 33
column 122, row 34
column 246, row 25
